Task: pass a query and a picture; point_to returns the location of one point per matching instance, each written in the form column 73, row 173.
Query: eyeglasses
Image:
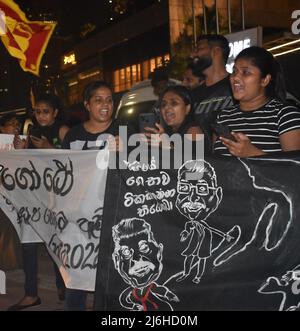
column 202, row 188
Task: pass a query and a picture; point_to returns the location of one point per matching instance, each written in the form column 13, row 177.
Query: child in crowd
column 9, row 242
column 47, row 133
column 48, row 130
column 10, row 124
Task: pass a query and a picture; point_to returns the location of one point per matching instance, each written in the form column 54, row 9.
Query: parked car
column 139, row 99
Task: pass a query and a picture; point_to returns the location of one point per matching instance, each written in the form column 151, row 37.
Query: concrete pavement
column 47, row 288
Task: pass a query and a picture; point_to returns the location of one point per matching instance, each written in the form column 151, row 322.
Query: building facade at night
column 128, row 51
column 122, row 42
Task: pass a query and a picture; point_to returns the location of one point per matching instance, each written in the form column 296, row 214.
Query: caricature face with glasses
column 197, row 198
column 201, row 187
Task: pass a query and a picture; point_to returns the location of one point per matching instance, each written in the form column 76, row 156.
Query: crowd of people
column 250, row 104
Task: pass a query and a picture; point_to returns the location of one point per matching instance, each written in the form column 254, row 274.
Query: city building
column 122, row 41
column 126, row 52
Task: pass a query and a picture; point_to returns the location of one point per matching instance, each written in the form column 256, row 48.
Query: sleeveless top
column 50, row 132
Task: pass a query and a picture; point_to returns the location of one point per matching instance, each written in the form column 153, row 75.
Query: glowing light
column 283, row 45
column 70, row 59
column 286, row 52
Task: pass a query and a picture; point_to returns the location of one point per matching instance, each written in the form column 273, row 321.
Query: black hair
column 5, row 118
column 219, row 41
column 158, row 76
column 195, row 71
column 54, row 102
column 50, row 99
column 268, row 65
column 130, row 227
column 183, row 92
column 90, row 89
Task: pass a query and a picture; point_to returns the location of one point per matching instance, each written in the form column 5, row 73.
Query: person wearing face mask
column 209, row 58
column 262, row 122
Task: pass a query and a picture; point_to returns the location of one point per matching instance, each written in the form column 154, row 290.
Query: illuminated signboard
column 70, row 59
column 241, row 40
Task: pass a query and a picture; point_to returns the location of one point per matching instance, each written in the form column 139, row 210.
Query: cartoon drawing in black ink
column 288, row 285
column 269, row 230
column 198, row 197
column 138, row 259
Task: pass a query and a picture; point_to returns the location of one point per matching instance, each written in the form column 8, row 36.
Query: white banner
column 6, row 141
column 56, row 196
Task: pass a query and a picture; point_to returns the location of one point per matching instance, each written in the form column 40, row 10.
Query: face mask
column 202, row 63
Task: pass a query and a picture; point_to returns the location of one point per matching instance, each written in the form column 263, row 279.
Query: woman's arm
column 290, row 141
column 242, row 147
column 194, row 131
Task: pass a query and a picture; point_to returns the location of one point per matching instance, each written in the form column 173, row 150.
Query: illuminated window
column 152, row 64
column 134, row 73
column 159, row 61
column 117, row 81
column 128, row 78
column 167, row 58
column 124, row 78
column 139, row 77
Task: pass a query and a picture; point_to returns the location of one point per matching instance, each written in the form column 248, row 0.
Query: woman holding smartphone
column 261, row 122
column 47, row 133
column 176, row 110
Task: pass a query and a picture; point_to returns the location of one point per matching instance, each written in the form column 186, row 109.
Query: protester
column 192, row 78
column 176, row 107
column 176, row 110
column 159, row 81
column 9, row 241
column 261, row 122
column 48, row 130
column 47, row 133
column 210, row 57
column 98, row 101
column 10, row 124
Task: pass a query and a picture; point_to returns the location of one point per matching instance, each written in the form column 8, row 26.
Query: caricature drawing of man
column 198, row 197
column 138, row 259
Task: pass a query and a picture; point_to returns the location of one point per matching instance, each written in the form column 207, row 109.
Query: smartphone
column 222, row 130
column 147, row 120
column 34, row 131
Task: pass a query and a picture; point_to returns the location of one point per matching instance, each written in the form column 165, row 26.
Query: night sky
column 75, row 17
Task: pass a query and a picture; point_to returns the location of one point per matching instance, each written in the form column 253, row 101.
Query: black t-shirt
column 210, row 100
column 50, row 132
column 80, row 139
column 183, row 129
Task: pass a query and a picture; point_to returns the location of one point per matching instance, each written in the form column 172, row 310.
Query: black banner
column 219, row 234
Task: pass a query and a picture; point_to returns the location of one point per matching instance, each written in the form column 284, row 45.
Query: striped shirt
column 263, row 126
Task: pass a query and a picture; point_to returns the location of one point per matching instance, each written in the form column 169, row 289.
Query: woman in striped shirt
column 260, row 122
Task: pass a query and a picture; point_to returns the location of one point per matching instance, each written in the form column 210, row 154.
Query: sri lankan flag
column 25, row 40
